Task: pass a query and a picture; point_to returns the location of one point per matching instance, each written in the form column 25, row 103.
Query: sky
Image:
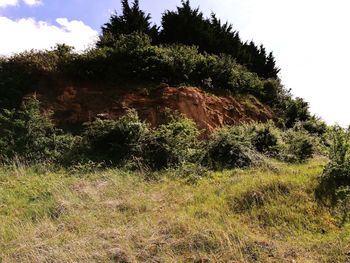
column 310, row 39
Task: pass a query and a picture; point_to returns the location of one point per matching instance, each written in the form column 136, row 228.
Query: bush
column 30, row 135
column 299, row 146
column 336, row 175
column 231, row 148
column 266, row 138
column 314, row 126
column 134, row 57
column 173, row 144
column 25, row 72
column 115, row 141
column 297, row 110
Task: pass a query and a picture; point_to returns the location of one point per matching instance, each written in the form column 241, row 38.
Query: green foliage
column 134, row 57
column 188, row 26
column 299, row 146
column 173, row 144
column 266, row 138
column 314, row 126
column 132, row 20
column 21, row 73
column 231, row 148
column 115, row 141
column 30, row 136
column 343, row 196
column 336, row 175
column 296, row 110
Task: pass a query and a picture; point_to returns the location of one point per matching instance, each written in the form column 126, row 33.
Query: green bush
column 134, row 57
column 173, row 144
column 314, row 126
column 296, row 110
column 266, row 138
column 231, row 148
column 336, row 175
column 299, row 146
column 29, row 135
column 115, row 141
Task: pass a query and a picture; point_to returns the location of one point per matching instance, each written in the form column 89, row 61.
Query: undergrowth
column 252, row 215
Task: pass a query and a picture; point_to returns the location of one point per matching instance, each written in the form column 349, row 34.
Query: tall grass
column 252, row 215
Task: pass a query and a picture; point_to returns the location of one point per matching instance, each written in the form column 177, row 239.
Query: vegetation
column 231, row 148
column 115, row 141
column 204, row 53
column 335, row 180
column 189, row 27
column 132, row 20
column 115, row 216
column 261, row 191
column 31, row 137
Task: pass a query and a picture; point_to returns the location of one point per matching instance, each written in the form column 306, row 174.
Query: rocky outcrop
column 72, row 104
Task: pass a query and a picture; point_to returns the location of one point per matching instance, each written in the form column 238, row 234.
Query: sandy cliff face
column 73, row 104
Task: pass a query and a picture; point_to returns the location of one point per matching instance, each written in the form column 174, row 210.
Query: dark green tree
column 188, row 26
column 133, row 19
column 296, row 110
column 225, row 39
column 271, row 70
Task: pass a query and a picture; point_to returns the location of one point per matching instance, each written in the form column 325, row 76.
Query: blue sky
column 309, row 38
column 93, row 12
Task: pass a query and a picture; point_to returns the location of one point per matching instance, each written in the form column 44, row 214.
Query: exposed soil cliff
column 78, row 104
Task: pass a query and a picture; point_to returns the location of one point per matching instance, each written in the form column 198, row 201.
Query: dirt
column 78, row 104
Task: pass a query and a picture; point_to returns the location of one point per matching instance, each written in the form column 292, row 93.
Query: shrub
column 336, row 174
column 343, row 196
column 266, row 138
column 134, row 57
column 173, row 144
column 298, row 147
column 314, row 126
column 30, row 135
column 115, row 141
column 20, row 73
column 296, row 110
column 231, row 148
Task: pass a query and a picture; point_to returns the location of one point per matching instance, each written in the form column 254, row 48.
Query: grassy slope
column 265, row 215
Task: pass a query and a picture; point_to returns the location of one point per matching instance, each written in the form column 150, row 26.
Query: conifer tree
column 188, row 26
column 133, row 19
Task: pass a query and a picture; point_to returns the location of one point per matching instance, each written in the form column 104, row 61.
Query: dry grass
column 253, row 215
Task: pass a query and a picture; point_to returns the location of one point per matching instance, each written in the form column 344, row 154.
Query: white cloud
column 27, row 33
column 32, row 2
column 5, row 3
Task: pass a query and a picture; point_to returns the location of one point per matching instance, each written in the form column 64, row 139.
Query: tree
column 188, row 26
column 26, row 133
column 296, row 110
column 226, row 40
column 133, row 19
column 271, row 71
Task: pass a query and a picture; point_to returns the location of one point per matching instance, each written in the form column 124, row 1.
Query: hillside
column 76, row 104
column 236, row 81
column 255, row 215
column 166, row 144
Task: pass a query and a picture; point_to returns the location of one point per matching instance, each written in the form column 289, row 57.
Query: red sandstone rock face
column 77, row 105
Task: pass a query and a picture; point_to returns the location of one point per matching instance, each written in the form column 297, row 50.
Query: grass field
column 254, row 215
